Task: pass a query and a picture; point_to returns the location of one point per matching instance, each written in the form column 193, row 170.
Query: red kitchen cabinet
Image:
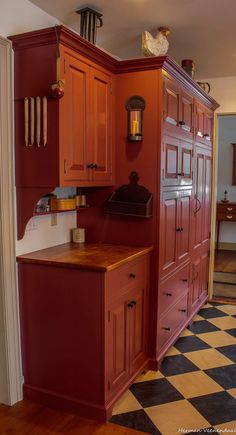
column 174, row 229
column 201, row 204
column 178, row 108
column 177, row 158
column 84, row 326
column 203, row 124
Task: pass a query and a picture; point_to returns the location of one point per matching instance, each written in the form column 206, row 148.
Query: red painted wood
column 77, row 346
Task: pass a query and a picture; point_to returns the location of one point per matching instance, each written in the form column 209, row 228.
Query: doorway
column 224, row 279
column 10, row 361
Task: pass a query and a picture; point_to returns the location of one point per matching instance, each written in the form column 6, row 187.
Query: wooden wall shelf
column 60, row 211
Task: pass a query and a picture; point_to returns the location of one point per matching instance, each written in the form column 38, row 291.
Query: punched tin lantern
column 135, row 107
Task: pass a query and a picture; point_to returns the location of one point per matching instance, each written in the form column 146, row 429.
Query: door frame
column 10, row 353
column 214, row 197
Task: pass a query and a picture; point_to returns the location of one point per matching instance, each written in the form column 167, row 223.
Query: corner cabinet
column 84, row 330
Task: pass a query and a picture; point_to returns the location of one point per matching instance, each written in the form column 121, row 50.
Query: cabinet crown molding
column 74, row 41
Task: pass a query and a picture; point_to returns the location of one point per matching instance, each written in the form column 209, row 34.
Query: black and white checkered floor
column 195, row 390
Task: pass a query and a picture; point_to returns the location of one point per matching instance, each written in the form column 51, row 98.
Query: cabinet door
column 168, row 231
column 201, row 204
column 184, row 215
column 118, row 344
column 73, row 120
column 208, row 133
column 137, row 329
column 171, row 102
column 200, row 121
column 198, row 200
column 100, row 126
column 186, row 113
column 170, row 161
column 185, row 164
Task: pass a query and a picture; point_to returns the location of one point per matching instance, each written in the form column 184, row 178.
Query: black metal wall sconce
column 135, row 107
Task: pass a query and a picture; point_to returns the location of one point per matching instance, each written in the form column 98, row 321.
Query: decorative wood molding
column 72, row 40
column 10, row 356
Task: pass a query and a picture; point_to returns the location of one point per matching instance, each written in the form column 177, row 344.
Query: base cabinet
column 84, row 334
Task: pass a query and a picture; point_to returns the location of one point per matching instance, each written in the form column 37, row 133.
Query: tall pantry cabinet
column 174, row 161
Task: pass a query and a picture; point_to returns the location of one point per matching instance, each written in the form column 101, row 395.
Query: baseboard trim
column 227, row 246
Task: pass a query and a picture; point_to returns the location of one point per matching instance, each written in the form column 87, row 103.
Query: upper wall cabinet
column 204, row 124
column 66, row 141
column 85, row 123
column 178, row 108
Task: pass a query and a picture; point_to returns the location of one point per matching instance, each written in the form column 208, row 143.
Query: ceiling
column 202, row 30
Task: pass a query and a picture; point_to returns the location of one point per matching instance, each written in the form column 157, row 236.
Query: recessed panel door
column 198, row 200
column 184, row 211
column 170, row 161
column 171, row 102
column 100, row 128
column 185, row 164
column 137, row 323
column 118, row 344
column 168, row 231
column 186, row 114
column 207, row 198
column 73, row 120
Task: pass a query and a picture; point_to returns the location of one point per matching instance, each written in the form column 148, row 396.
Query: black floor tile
column 232, row 332
column 151, row 393
column 216, row 408
column 138, row 420
column 224, row 376
column 176, row 365
column 191, row 343
column 229, row 351
column 202, row 326
column 209, row 313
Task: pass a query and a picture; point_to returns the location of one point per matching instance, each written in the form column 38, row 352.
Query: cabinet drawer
column 131, row 275
column 172, row 321
column 226, row 208
column 173, row 288
column 229, row 216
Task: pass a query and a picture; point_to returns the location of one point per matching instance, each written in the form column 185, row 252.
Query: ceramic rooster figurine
column 155, row 46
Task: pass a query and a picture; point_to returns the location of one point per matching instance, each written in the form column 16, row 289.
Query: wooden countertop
column 100, row 257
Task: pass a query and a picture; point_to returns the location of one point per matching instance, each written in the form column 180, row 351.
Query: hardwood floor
column 225, row 261
column 30, row 418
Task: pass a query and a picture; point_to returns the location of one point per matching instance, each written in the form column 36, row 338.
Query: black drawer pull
column 168, row 294
column 178, row 229
column 166, row 328
column 132, row 275
column 133, row 302
column 182, row 310
column 182, row 123
column 130, row 305
column 90, row 165
column 185, row 280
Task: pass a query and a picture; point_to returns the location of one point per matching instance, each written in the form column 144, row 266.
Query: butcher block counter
column 84, row 324
column 101, row 257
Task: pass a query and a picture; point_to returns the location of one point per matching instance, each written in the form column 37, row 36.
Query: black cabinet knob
column 206, row 135
column 181, row 122
column 90, row 166
column 132, row 275
column 166, row 328
column 168, row 294
column 95, row 166
column 182, row 310
column 178, row 230
column 185, row 280
column 133, row 302
column 130, row 305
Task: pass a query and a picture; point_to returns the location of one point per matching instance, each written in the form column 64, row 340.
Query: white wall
column 223, row 90
column 18, row 16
